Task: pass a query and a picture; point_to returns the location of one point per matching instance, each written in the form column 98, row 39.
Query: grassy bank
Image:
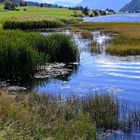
column 126, row 43
column 35, row 11
column 29, row 22
column 32, row 17
column 23, row 53
column 34, row 116
column 41, row 116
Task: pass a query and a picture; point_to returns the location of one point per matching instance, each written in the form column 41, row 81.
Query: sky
column 53, row 1
column 92, row 4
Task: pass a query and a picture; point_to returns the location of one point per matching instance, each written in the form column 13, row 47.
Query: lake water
column 115, row 18
column 97, row 73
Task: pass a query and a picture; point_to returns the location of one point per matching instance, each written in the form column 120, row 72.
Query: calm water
column 115, row 18
column 100, row 73
column 97, row 73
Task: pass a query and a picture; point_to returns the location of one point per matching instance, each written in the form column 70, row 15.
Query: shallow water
column 115, row 18
column 98, row 73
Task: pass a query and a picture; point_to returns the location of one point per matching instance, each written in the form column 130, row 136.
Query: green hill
column 133, row 6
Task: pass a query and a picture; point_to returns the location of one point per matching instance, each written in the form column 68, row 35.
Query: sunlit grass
column 22, row 53
column 37, row 14
column 44, row 116
column 127, row 41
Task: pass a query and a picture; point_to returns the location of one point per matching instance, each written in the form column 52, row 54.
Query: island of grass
column 127, row 40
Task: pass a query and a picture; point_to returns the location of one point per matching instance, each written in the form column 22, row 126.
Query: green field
column 33, row 12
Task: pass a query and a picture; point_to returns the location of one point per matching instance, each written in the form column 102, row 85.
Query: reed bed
column 86, row 34
column 36, row 22
column 21, row 53
column 123, row 50
column 127, row 41
column 31, row 24
column 95, row 48
column 45, row 116
column 33, row 116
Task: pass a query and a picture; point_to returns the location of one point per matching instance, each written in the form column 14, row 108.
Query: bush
column 8, row 4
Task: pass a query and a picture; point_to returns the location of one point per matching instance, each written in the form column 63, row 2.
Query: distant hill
column 104, row 4
column 132, row 6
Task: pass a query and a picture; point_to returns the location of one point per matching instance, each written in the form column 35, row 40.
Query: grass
column 30, row 23
column 33, row 116
column 36, row 11
column 19, row 49
column 44, row 116
column 126, row 43
column 84, row 33
column 95, row 48
column 35, row 14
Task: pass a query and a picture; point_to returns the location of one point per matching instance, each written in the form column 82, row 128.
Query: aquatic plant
column 127, row 39
column 21, row 54
column 36, row 22
column 43, row 116
column 31, row 24
column 86, row 34
column 104, row 111
column 61, row 48
column 34, row 116
column 95, row 48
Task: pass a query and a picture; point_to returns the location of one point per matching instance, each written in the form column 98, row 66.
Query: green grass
column 19, row 49
column 34, row 13
column 43, row 116
column 32, row 116
column 126, row 43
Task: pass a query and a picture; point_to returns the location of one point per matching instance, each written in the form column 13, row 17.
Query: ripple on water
column 99, row 72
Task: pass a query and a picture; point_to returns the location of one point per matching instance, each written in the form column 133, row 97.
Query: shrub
column 8, row 4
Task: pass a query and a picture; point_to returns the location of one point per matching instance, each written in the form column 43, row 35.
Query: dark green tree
column 41, row 5
column 95, row 12
column 85, row 11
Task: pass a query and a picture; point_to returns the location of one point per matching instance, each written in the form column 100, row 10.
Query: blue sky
column 92, row 4
column 53, row 1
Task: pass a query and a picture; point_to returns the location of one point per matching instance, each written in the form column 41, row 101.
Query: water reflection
column 33, row 83
column 97, row 72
